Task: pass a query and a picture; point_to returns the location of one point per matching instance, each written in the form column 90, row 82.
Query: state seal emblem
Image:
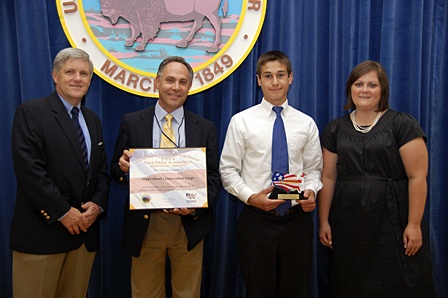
column 127, row 40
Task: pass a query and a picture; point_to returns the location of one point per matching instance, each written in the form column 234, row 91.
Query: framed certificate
column 163, row 178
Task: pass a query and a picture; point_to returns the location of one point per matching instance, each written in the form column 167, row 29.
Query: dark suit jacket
column 52, row 177
column 136, row 132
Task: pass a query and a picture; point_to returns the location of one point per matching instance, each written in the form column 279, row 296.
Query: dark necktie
column 82, row 141
column 280, row 153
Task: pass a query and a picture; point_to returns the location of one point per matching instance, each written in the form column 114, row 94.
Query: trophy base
column 280, row 194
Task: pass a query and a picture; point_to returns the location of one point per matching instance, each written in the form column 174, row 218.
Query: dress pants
column 275, row 252
column 56, row 275
column 166, row 236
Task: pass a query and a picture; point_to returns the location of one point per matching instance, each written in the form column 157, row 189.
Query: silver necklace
column 364, row 129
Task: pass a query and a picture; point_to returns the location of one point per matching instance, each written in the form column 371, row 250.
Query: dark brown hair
column 274, row 55
column 360, row 70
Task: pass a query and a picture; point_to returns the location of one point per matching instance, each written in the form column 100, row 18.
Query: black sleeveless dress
column 369, row 212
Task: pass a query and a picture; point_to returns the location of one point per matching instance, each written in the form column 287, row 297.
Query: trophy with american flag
column 287, row 186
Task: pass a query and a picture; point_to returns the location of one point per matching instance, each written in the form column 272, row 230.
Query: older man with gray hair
column 62, row 185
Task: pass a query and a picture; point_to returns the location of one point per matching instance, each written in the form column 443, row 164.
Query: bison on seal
column 145, row 17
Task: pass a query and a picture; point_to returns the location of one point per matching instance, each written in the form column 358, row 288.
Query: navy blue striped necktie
column 82, row 141
column 280, row 153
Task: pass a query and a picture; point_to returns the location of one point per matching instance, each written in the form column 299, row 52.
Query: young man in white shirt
column 275, row 250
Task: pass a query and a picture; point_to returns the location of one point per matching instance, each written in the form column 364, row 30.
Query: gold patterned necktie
column 168, row 139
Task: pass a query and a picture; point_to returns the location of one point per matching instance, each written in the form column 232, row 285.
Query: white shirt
column 245, row 165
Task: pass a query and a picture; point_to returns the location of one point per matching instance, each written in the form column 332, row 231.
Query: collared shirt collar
column 68, row 106
column 267, row 107
column 160, row 113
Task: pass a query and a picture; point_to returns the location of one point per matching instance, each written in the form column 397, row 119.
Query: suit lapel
column 192, row 130
column 66, row 124
column 93, row 132
column 144, row 128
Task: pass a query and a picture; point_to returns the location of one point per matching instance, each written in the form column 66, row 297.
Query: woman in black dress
column 374, row 194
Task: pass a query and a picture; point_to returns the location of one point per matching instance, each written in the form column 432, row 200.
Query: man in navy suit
column 62, row 190
column 148, row 236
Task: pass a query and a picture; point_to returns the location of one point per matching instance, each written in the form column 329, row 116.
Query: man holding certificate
column 174, row 177
column 278, row 180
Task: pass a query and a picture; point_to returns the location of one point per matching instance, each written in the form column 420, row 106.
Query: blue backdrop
column 325, row 39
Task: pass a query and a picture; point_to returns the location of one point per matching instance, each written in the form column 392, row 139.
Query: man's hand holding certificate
column 168, row 178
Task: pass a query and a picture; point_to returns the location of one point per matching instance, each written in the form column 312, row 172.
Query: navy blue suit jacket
column 52, row 177
column 136, row 132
